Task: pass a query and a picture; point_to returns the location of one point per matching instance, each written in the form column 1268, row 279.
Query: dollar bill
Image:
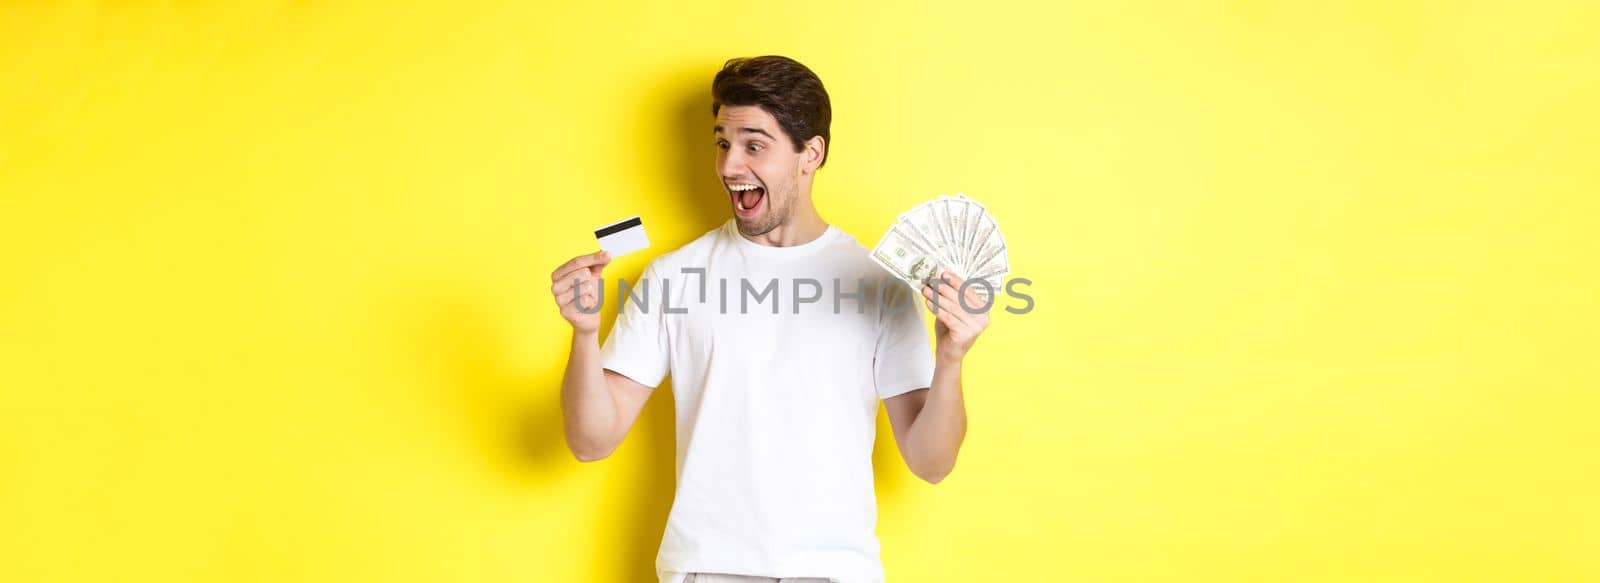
column 899, row 253
column 923, row 224
column 949, row 233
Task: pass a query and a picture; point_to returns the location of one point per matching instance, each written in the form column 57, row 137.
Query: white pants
column 669, row 577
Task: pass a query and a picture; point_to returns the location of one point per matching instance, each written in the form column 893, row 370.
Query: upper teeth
column 741, row 187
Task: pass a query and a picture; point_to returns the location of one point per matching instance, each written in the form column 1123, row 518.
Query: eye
column 722, row 144
column 756, row 147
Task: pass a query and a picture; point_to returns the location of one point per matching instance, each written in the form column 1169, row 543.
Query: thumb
column 601, row 259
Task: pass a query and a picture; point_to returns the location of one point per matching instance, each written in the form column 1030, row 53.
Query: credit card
column 622, row 237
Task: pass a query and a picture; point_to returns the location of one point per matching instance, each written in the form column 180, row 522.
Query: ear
column 816, row 149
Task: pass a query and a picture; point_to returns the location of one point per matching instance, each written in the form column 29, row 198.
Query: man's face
column 758, row 166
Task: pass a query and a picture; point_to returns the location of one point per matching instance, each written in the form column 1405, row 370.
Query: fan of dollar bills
column 952, row 233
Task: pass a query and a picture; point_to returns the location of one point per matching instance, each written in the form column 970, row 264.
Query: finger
column 929, row 298
column 567, row 296
column 956, row 319
column 947, row 317
column 971, row 292
column 958, row 327
column 976, row 300
column 948, row 299
column 946, row 281
column 938, row 306
column 564, row 286
column 975, row 304
column 585, row 302
column 561, row 288
column 941, row 302
column 952, row 280
column 579, row 262
column 583, row 288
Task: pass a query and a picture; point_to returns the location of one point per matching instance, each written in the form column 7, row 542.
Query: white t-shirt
column 775, row 411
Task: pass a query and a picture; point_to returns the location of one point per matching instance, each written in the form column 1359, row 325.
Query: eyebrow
column 747, row 130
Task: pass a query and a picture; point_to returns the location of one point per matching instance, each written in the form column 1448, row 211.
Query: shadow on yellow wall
column 522, row 437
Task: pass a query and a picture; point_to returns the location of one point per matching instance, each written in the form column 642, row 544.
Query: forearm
column 935, row 437
column 589, row 411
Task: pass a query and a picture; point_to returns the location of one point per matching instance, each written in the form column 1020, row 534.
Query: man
column 776, row 402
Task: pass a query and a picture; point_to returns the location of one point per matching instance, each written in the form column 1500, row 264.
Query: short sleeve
column 903, row 360
column 637, row 345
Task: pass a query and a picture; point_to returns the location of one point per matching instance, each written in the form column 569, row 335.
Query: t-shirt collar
column 754, row 248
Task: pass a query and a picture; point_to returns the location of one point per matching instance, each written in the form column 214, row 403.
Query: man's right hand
column 583, row 272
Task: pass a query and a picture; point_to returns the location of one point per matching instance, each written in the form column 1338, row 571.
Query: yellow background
column 1316, row 287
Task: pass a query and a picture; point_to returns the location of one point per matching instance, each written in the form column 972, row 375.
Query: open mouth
column 747, row 199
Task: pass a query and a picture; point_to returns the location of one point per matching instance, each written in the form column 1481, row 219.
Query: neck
column 804, row 226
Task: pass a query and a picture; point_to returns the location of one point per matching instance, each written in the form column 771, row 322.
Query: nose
column 729, row 164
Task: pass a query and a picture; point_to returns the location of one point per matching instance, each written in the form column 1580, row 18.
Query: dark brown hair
column 782, row 87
